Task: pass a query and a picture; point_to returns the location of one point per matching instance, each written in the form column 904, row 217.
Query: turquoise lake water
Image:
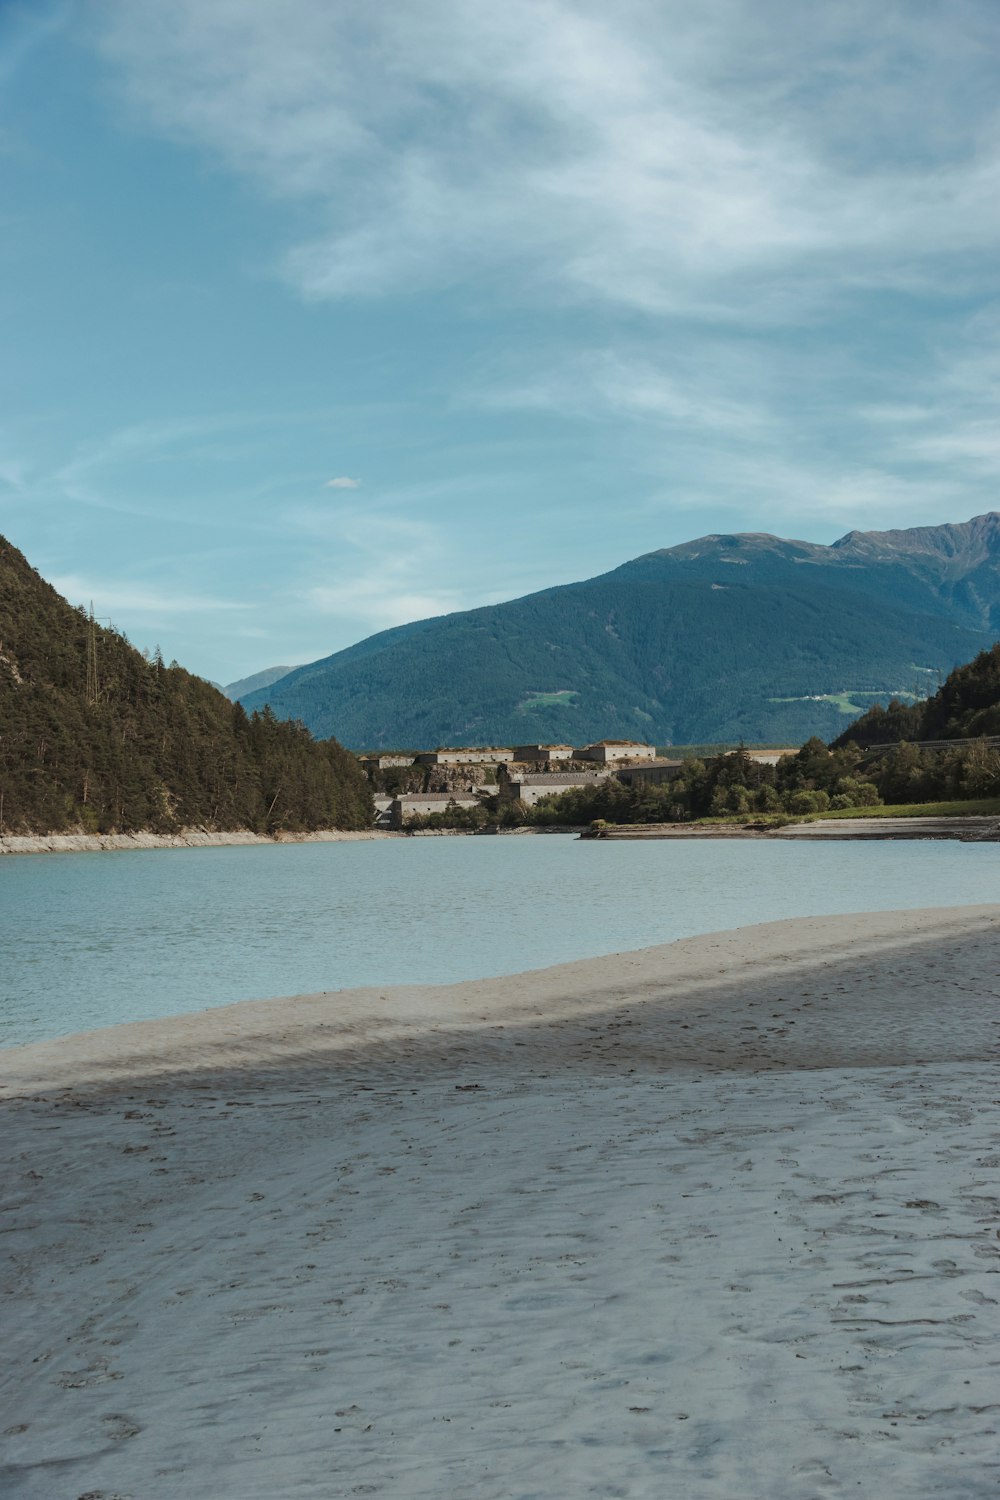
column 88, row 940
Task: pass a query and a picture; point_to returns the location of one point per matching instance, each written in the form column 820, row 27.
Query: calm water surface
column 91, row 939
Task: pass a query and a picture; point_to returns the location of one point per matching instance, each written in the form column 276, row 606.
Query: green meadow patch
column 562, row 699
column 983, row 807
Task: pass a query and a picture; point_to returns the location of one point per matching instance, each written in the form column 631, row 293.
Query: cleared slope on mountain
column 725, row 638
column 93, row 736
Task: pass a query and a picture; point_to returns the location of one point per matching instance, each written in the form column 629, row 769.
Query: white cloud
column 731, row 158
column 343, row 483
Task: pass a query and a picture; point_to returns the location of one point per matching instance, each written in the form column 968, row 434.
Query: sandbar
column 719, row 1218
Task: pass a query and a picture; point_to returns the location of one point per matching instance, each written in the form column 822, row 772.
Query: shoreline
column 967, row 829
column 330, row 1027
column 203, row 838
column 187, row 838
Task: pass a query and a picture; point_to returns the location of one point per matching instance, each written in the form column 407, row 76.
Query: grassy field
column 984, row 807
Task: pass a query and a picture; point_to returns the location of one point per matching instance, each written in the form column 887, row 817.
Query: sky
column 319, row 317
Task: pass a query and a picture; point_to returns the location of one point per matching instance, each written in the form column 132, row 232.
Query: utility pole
column 93, row 684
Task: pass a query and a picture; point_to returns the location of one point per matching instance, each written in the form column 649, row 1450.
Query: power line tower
column 92, row 683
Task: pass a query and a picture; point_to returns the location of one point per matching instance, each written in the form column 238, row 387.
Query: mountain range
column 728, row 637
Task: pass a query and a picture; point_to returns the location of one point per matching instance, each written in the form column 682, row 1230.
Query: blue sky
column 320, row 317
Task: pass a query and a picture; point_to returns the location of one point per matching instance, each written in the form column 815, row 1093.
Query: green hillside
column 245, row 685
column 966, row 706
column 727, row 638
column 95, row 737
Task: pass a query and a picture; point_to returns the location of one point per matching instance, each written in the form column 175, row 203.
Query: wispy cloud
column 806, row 495
column 952, row 424
column 88, row 476
column 714, row 250
column 695, row 395
column 381, row 599
column 24, row 27
column 379, row 568
column 13, row 472
column 159, row 469
column 137, row 599
column 732, row 157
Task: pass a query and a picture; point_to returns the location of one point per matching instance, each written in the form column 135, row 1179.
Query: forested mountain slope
column 264, row 679
column 951, row 570
column 93, row 736
column 727, row 637
column 966, row 705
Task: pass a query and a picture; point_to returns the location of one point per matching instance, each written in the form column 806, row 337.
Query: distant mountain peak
column 265, row 679
column 977, row 538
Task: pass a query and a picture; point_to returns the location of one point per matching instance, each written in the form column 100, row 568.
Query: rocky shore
column 187, row 838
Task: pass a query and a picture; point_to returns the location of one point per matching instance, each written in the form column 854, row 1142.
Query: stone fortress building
column 460, row 776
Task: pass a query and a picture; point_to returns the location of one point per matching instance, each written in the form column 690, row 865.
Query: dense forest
column 728, row 638
column 95, row 737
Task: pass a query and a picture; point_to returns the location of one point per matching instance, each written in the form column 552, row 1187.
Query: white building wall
column 628, row 751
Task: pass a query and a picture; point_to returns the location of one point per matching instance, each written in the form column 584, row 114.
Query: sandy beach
column 715, row 1219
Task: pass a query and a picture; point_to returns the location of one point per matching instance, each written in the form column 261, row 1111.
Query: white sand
column 717, row 1219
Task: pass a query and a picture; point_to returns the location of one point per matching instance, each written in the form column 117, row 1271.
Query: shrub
column 808, row 802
